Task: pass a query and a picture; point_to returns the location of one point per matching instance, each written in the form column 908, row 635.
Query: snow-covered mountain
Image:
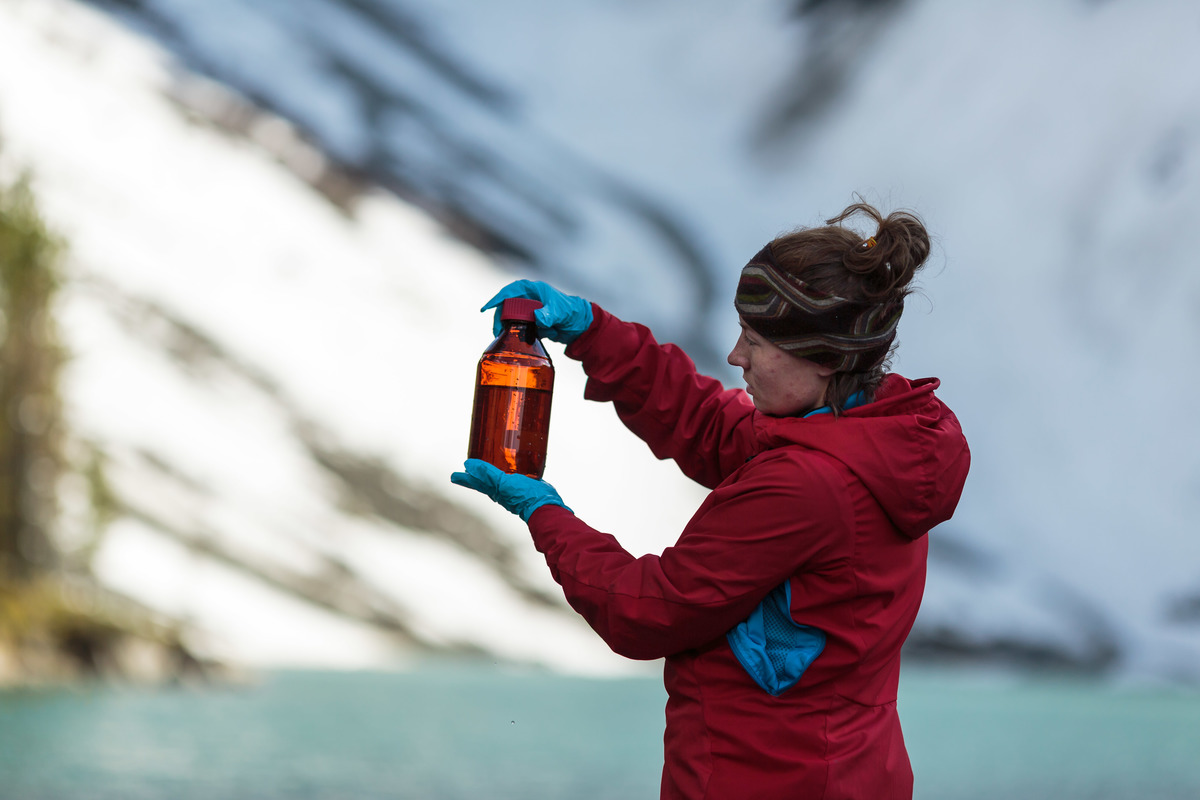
column 283, row 216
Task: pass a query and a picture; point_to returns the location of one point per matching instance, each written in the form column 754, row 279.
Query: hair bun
column 887, row 260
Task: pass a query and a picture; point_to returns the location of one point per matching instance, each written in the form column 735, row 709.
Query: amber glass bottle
column 510, row 424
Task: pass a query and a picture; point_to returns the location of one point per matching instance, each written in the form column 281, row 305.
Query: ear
column 825, row 373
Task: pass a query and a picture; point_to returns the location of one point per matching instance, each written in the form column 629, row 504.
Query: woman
column 782, row 607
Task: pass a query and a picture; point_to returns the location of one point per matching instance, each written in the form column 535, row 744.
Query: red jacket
column 839, row 506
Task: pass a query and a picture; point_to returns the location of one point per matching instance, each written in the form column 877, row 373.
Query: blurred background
column 242, row 250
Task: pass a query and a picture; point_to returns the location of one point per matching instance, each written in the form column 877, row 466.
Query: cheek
column 782, row 388
column 768, row 366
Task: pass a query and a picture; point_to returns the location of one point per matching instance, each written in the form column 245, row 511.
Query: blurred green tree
column 56, row 621
column 31, row 358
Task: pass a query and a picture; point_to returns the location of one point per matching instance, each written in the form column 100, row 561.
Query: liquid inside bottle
column 510, row 423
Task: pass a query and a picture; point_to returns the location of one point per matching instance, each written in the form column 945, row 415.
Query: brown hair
column 876, row 269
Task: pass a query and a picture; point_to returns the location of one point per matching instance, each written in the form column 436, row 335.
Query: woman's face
column 781, row 385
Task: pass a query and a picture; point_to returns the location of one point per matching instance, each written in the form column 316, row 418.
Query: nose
column 735, row 357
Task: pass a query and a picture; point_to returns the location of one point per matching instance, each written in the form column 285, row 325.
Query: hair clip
column 870, row 242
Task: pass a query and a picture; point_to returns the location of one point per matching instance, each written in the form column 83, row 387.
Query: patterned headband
column 829, row 330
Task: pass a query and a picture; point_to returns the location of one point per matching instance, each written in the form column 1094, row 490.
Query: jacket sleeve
column 747, row 537
column 659, row 396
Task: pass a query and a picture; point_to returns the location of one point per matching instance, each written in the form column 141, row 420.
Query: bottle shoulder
column 516, row 344
column 516, row 358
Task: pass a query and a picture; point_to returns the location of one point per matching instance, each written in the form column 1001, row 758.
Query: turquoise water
column 463, row 731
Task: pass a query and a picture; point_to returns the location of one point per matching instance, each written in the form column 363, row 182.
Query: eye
column 747, row 336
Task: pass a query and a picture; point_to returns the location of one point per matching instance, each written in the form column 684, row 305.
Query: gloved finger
column 543, row 318
column 562, row 317
column 463, row 479
column 483, row 471
column 480, row 476
column 522, row 288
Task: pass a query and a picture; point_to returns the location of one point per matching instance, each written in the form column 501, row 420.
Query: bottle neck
column 523, row 330
column 519, row 337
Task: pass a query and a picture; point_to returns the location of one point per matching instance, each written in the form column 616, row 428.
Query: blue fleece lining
column 851, row 401
column 772, row 648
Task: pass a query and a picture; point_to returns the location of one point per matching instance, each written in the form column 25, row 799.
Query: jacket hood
column 907, row 448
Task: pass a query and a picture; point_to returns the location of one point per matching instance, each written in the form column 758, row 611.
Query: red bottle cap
column 520, row 309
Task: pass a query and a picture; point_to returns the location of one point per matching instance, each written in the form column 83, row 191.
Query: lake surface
column 475, row 731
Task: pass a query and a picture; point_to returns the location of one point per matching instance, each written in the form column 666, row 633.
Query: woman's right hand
column 562, row 317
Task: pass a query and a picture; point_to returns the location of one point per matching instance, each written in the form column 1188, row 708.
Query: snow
column 236, row 618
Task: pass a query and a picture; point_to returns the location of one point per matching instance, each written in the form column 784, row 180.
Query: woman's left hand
column 519, row 494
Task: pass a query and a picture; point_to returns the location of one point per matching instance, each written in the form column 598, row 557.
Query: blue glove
column 520, row 494
column 561, row 318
